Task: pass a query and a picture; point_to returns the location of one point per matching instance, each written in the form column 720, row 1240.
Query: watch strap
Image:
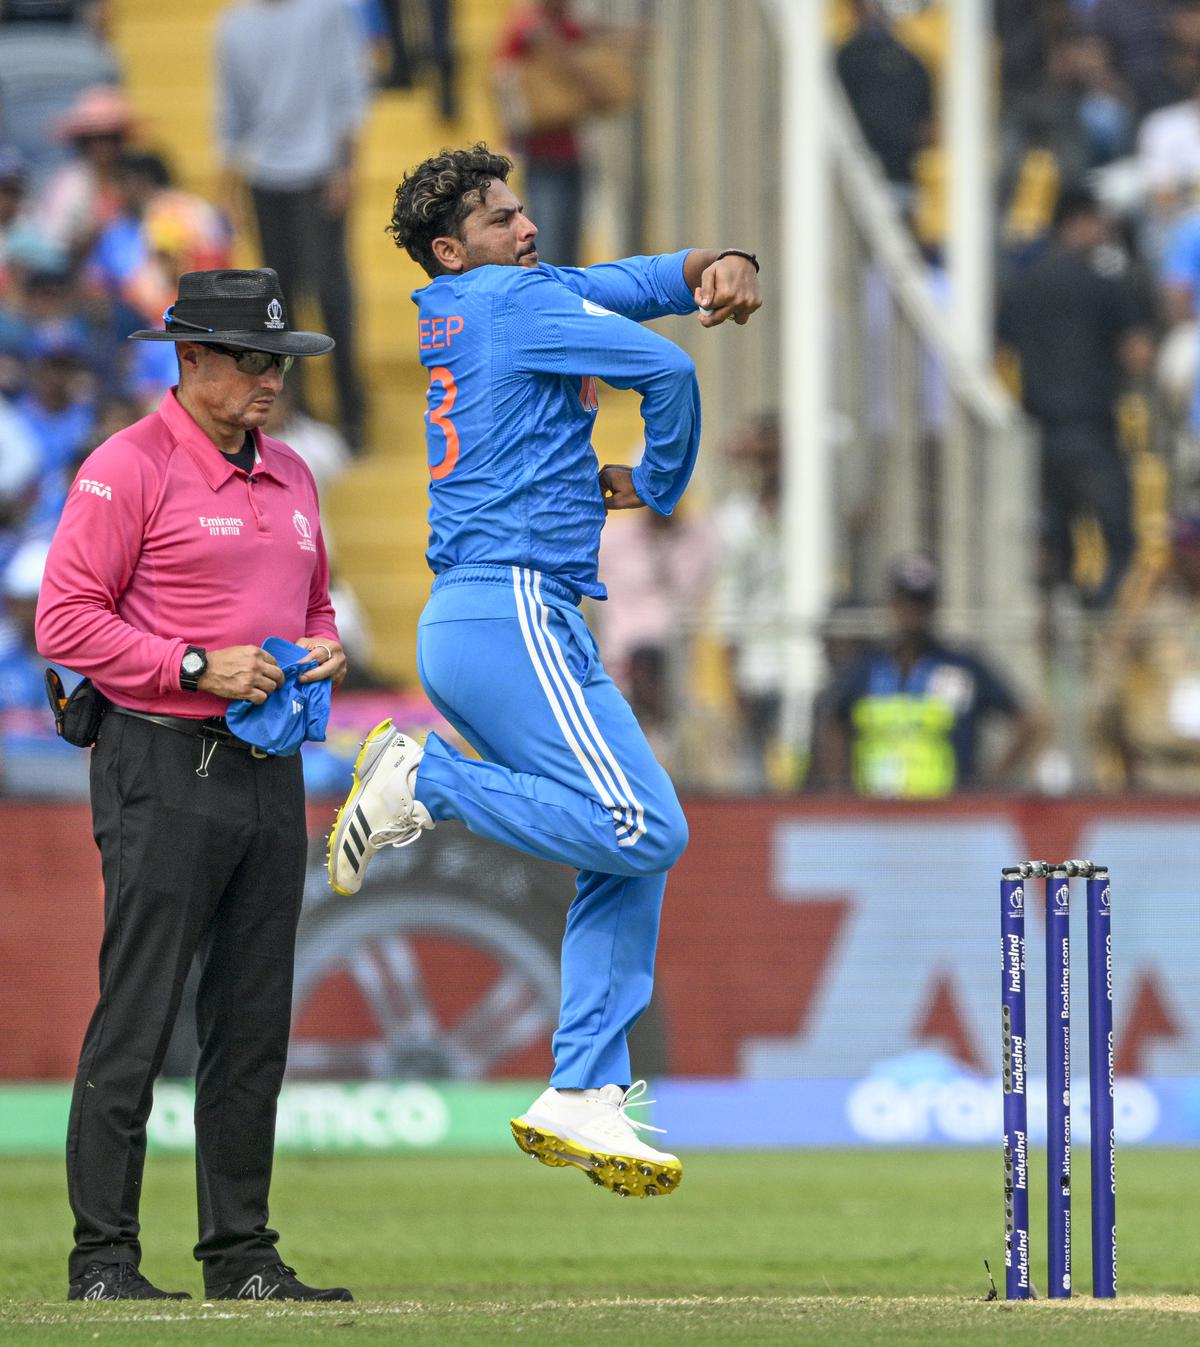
column 191, row 682
column 738, row 252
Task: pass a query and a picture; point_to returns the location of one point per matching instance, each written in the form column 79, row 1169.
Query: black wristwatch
column 192, row 667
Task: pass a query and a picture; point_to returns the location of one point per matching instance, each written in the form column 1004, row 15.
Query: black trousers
column 192, row 864
column 307, row 247
column 1084, row 473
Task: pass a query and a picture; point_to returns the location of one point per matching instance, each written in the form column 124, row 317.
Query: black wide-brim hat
column 234, row 308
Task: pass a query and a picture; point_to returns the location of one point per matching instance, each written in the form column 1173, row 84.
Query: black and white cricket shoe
column 380, row 811
column 117, row 1281
column 276, row 1281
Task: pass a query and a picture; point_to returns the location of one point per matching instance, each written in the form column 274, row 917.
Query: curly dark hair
column 435, row 198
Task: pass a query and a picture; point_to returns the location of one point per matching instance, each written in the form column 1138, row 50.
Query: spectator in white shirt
column 1169, row 159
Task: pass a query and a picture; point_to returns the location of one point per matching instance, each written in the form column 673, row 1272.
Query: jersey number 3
column 440, row 416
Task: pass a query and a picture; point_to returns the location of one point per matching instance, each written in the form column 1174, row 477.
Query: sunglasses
column 253, row 362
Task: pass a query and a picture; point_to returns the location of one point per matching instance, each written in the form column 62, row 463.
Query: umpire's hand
column 241, row 673
column 332, row 660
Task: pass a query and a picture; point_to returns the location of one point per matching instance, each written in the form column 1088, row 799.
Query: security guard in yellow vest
column 907, row 715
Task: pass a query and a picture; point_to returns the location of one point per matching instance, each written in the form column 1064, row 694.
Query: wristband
column 738, row 252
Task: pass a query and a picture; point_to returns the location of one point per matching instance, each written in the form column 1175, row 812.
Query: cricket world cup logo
column 304, row 529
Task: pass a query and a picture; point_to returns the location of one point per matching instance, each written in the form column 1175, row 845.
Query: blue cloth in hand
column 292, row 713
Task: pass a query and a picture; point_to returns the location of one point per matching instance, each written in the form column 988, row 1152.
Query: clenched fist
column 616, row 485
column 241, row 673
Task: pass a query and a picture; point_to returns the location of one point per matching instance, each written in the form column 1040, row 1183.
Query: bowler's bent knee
column 661, row 845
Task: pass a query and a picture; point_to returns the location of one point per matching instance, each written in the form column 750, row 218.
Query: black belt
column 212, row 728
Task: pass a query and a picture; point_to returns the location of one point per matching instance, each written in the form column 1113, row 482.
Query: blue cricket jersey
column 513, row 355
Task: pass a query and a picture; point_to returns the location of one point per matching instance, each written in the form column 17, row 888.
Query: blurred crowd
column 95, row 231
column 1097, row 227
column 902, row 714
column 1097, row 264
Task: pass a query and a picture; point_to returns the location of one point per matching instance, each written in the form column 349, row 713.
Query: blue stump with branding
column 1101, row 1072
column 1016, row 1114
column 1058, row 1081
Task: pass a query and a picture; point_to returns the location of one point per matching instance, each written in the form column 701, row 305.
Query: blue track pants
column 507, row 658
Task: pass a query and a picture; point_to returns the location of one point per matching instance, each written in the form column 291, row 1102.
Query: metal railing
column 926, row 450
column 948, row 459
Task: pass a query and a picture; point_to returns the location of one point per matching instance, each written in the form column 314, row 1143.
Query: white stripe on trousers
column 598, row 739
column 543, row 639
column 593, row 766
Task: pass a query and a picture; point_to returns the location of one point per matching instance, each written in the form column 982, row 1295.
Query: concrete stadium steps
column 377, row 515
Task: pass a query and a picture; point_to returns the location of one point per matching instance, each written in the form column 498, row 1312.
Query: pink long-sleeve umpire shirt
column 164, row 544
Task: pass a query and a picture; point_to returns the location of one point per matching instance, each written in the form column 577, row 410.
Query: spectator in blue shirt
column 122, row 250
column 22, row 670
column 1181, row 293
column 23, row 548
column 20, row 467
column 59, row 410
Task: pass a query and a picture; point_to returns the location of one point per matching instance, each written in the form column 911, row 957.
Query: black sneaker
column 117, row 1281
column 276, row 1281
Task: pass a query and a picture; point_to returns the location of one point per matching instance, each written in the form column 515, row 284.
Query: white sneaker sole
column 625, row 1175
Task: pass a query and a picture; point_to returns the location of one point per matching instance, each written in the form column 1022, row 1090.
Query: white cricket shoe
column 380, row 811
column 591, row 1130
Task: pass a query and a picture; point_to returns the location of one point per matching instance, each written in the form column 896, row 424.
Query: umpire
column 187, row 539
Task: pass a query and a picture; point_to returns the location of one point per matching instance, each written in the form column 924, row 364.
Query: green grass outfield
column 805, row 1247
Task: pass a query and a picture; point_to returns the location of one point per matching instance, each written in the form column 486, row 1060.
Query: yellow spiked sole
column 625, row 1175
column 382, row 729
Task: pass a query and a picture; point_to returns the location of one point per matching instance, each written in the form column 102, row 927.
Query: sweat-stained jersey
column 513, row 355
